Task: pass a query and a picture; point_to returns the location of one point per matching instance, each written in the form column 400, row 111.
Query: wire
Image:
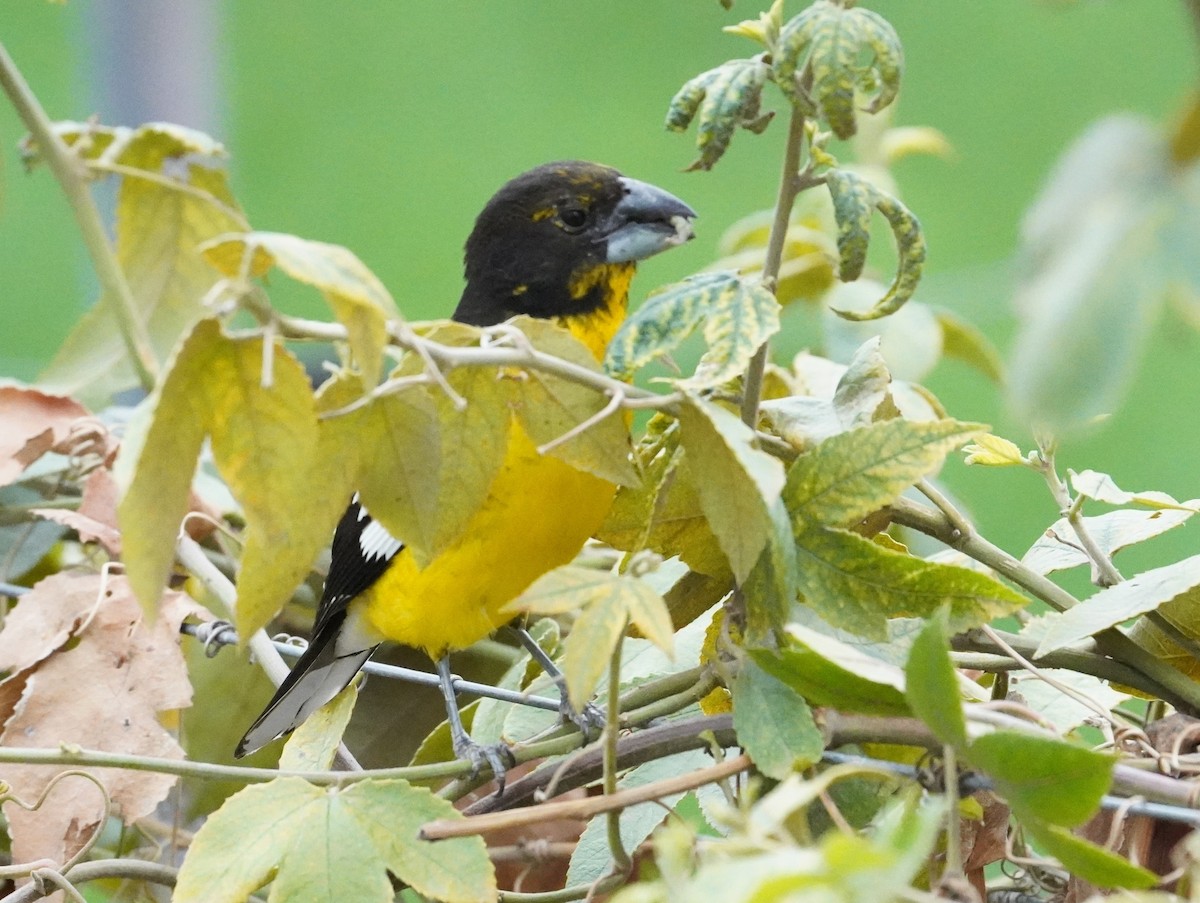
column 220, row 633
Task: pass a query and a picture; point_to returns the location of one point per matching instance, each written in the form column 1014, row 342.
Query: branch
column 443, row 829
column 70, row 178
column 1169, row 684
column 789, row 187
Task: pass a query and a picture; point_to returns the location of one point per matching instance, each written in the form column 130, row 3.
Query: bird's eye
column 573, row 218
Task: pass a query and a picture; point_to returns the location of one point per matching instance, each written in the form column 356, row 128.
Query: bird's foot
column 498, row 758
column 590, row 721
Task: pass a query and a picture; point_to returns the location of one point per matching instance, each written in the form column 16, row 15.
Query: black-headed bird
column 559, row 242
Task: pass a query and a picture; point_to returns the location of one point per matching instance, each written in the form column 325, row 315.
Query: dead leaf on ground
column 104, row 692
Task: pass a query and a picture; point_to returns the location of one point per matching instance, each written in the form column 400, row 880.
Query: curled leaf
column 722, row 99
column 854, row 200
column 828, row 53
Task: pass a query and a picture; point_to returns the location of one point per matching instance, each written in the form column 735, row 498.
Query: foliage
column 780, row 572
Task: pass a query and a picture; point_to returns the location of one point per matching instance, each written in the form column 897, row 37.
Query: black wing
column 362, row 550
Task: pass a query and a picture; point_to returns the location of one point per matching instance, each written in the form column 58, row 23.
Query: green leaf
column 327, row 843
column 737, row 315
column 1042, row 777
column 737, row 484
column 842, row 49
column 1133, row 597
column 605, row 603
column 550, row 407
column 854, row 200
column 774, row 723
column 1087, row 861
column 160, row 221
column 864, row 387
column 162, row 465
column 827, row 672
column 773, row 585
column 855, row 584
column 1055, row 549
column 314, row 743
column 931, row 684
column 357, row 298
column 724, row 98
column 1093, row 273
column 850, row 475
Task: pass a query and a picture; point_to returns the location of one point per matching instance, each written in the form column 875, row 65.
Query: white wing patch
column 376, row 542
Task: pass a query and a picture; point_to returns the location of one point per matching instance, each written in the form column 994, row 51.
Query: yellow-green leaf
column 968, row 343
column 850, row 475
column 723, row 98
column 737, row 315
column 857, row 585
column 550, row 407
column 163, row 463
column 263, row 441
column 843, row 50
column 735, row 481
column 357, row 298
column 989, row 450
column 315, row 742
column 160, row 222
column 325, row 843
column 854, row 200
column 605, row 603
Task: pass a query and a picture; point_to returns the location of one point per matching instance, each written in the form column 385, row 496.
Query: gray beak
column 645, row 221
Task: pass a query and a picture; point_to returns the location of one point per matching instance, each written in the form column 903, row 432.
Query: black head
column 539, row 245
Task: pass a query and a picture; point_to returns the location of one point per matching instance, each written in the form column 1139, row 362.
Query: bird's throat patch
column 602, row 292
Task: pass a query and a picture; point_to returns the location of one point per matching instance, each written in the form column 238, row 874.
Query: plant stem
column 789, row 186
column 128, row 869
column 69, row 174
column 1172, row 685
column 621, row 864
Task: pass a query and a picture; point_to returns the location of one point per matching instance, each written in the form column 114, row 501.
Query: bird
column 558, row 242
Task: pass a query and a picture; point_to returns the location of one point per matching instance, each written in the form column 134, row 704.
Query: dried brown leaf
column 104, row 692
column 32, row 422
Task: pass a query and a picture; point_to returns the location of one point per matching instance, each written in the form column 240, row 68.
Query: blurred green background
column 384, row 126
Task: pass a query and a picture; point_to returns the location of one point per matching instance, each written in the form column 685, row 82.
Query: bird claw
column 590, row 722
column 498, row 758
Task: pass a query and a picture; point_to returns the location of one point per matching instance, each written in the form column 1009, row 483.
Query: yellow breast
column 538, row 514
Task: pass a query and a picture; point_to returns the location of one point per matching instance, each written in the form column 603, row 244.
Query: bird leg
column 498, row 757
column 591, row 720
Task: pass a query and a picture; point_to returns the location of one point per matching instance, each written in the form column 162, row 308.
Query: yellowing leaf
column 844, row 50
column 965, row 341
column 160, row 222
column 857, row 585
column 735, row 481
column 989, row 450
column 357, row 297
column 550, row 407
column 314, row 743
column 1109, row 607
column 854, row 201
column 606, row 602
column 156, row 500
column 737, row 315
column 850, row 475
column 724, row 98
column 327, row 843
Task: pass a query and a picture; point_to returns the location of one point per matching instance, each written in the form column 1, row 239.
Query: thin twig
column 69, row 174
column 789, row 186
column 128, row 869
column 621, row 863
column 443, row 829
